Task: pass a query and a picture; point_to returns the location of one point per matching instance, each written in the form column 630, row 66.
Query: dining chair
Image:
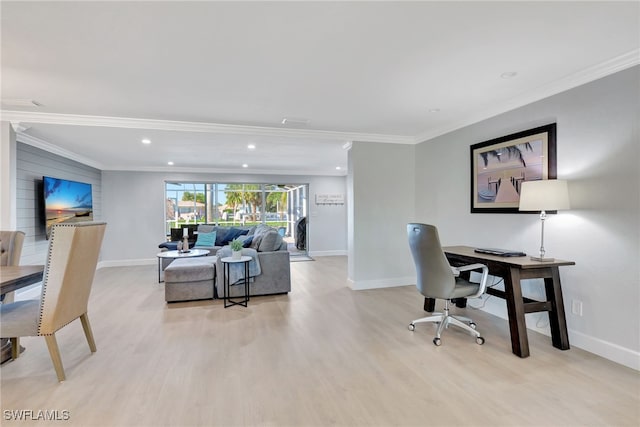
column 70, row 267
column 10, row 250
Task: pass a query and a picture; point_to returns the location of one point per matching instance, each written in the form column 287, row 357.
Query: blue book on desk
column 499, row 252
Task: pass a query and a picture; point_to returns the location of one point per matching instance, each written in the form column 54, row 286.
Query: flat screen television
column 66, row 201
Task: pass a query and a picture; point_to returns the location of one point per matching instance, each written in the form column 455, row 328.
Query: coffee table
column 179, row 254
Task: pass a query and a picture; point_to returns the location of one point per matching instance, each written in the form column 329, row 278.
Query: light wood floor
column 322, row 355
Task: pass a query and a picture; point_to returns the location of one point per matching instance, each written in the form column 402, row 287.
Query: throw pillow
column 221, row 234
column 234, row 233
column 206, row 239
column 271, row 241
column 247, row 241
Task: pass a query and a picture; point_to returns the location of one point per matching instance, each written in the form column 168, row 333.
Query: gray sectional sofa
column 272, row 254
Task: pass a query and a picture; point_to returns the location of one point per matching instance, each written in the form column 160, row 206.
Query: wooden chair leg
column 87, row 332
column 9, row 297
column 54, row 352
column 15, row 347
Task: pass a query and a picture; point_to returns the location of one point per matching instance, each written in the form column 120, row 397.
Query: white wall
column 381, row 190
column 598, row 152
column 134, row 210
column 7, row 177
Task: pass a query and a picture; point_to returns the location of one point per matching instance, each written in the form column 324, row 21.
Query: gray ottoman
column 188, row 279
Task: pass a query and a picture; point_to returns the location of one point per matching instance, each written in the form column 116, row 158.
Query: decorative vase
column 185, row 244
column 236, row 254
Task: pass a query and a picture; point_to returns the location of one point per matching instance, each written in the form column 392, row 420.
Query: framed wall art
column 500, row 166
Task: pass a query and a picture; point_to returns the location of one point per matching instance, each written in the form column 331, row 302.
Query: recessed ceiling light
column 170, row 163
column 245, row 165
column 293, row 121
column 146, row 141
column 508, row 74
column 434, row 110
column 251, row 146
column 338, row 168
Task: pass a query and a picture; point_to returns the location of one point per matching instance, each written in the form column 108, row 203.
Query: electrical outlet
column 576, row 307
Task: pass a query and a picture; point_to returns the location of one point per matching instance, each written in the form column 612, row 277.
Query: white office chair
column 437, row 279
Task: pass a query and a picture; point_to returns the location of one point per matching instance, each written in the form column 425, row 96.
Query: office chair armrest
column 483, row 279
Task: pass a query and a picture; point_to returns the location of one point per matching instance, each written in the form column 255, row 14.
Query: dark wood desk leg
column 515, row 308
column 557, row 320
column 429, row 305
column 460, row 302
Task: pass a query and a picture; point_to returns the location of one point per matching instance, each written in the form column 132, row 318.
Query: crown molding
column 54, row 149
column 587, row 75
column 173, row 169
column 181, row 126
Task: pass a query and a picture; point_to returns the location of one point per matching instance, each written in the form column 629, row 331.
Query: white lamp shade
column 547, row 195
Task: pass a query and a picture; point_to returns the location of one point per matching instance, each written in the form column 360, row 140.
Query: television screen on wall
column 66, row 201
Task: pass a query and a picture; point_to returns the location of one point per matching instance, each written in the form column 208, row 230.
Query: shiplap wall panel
column 32, row 164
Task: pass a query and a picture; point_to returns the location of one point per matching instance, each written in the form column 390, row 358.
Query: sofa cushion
column 206, row 239
column 258, row 233
column 190, row 270
column 271, row 241
column 206, row 228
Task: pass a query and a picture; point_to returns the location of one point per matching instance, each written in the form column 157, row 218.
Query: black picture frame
column 500, row 165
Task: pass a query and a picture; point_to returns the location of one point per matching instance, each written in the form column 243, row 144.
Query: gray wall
column 134, row 209
column 598, row 152
column 381, row 180
column 31, row 164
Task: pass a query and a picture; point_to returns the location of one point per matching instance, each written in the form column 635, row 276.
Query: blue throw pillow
column 233, row 234
column 206, row 239
column 247, row 241
column 221, row 233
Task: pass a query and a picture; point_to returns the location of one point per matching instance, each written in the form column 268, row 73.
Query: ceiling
column 202, row 80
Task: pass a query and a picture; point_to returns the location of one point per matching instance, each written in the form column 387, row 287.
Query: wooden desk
column 11, row 279
column 513, row 270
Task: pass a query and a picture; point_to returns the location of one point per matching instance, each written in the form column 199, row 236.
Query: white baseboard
column 360, row 285
column 607, row 350
column 327, row 253
column 610, row 351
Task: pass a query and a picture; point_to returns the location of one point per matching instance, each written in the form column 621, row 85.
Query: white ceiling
column 204, row 79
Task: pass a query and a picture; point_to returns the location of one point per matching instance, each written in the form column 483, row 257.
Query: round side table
column 226, row 263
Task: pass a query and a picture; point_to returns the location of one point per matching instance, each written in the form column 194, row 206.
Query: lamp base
column 540, row 259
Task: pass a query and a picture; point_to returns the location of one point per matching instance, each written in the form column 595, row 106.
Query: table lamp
column 546, row 195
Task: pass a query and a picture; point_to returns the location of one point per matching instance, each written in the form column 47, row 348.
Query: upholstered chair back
column 68, row 275
column 11, row 247
column 435, row 277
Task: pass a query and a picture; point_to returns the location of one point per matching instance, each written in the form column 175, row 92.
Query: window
column 185, row 203
column 240, row 204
